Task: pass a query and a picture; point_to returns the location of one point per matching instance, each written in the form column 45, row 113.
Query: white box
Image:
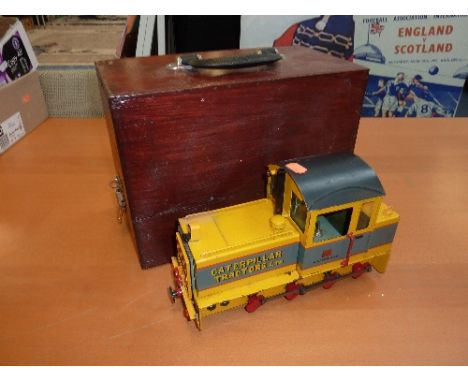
column 17, row 56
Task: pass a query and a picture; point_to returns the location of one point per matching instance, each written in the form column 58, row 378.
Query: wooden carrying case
column 191, row 140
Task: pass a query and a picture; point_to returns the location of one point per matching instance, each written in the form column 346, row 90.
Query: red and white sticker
column 296, row 167
column 11, row 130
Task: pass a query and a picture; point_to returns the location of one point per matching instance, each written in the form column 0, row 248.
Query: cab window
column 365, row 215
column 332, row 224
column 298, row 211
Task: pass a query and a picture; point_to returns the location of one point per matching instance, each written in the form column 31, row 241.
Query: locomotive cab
column 336, row 203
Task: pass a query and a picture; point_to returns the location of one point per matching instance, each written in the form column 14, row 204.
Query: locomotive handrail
column 351, row 238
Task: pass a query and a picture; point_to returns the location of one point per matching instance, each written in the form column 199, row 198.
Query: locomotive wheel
column 255, row 301
column 330, row 279
column 358, row 269
column 292, row 290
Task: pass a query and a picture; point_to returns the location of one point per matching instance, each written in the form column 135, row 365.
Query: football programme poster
column 417, row 63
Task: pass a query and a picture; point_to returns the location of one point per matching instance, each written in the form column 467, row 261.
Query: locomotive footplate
column 303, row 289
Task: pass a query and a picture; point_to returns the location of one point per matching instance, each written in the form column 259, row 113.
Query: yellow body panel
column 386, row 216
column 247, row 289
column 229, row 233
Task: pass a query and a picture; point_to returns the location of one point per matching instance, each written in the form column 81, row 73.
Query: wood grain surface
column 188, row 142
column 132, row 77
column 72, row 292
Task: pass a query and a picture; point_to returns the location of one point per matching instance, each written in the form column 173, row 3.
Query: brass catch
column 116, row 184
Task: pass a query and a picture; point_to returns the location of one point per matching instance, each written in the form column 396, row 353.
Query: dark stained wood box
column 190, row 141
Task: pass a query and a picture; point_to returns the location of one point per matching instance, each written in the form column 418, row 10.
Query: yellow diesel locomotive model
column 323, row 220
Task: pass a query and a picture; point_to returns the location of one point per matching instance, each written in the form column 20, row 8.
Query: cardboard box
column 22, row 108
column 17, row 56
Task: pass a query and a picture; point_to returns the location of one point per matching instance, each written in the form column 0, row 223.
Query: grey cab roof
column 334, row 179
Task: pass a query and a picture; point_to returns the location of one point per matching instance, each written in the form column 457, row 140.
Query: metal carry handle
column 261, row 57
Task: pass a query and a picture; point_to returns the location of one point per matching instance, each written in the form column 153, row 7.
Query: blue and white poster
column 417, row 64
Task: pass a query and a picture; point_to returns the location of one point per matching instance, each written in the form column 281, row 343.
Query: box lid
column 150, row 75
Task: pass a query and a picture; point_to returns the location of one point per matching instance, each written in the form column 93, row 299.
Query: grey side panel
column 361, row 243
column 312, row 257
column 247, row 266
column 192, row 265
column 382, row 235
column 300, row 257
